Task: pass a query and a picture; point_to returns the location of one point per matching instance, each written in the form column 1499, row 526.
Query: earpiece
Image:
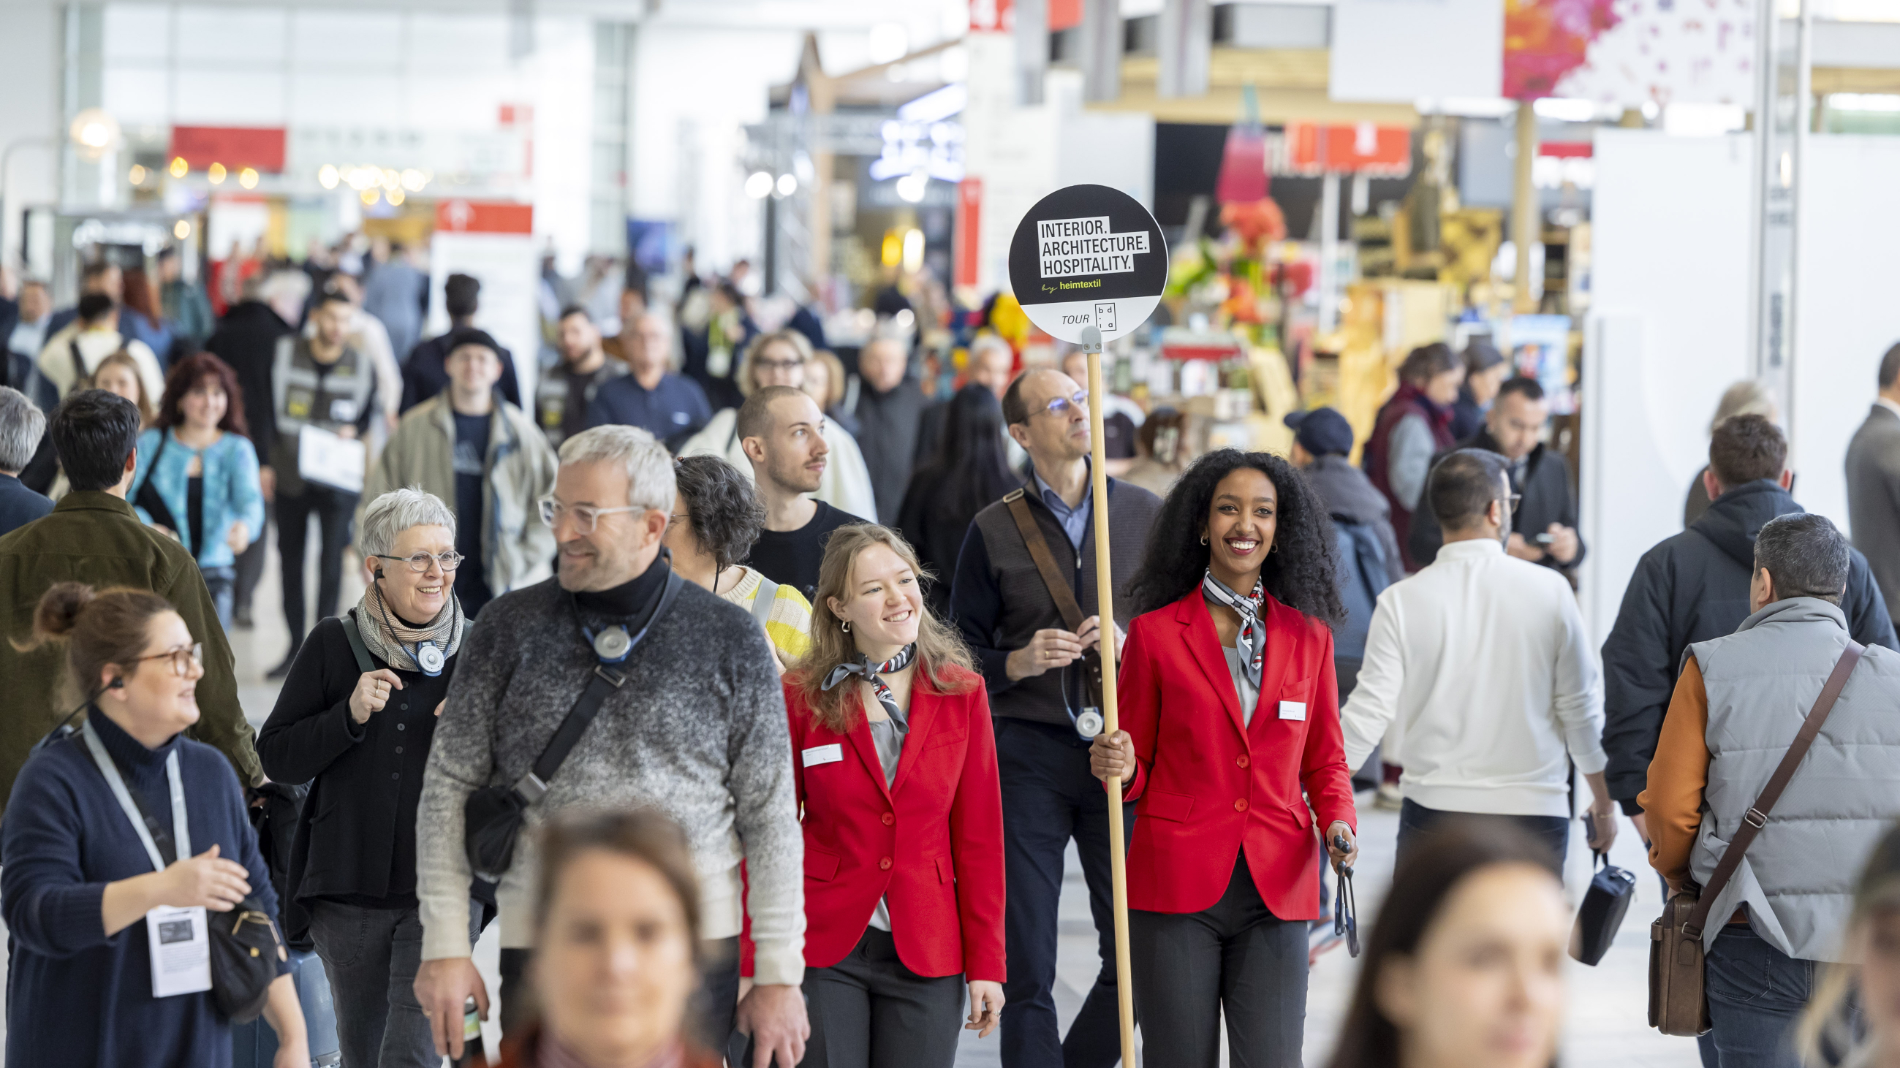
column 116, row 684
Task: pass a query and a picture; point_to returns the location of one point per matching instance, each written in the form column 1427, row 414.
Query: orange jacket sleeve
column 1678, row 774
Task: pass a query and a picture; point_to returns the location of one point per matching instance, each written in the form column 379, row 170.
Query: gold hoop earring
column 1203, row 539
column 846, row 624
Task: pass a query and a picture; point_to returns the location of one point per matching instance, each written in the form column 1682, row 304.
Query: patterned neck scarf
column 1252, row 642
column 395, row 641
column 872, row 673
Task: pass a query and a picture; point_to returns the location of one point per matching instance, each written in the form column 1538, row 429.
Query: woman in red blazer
column 896, row 770
column 1230, row 743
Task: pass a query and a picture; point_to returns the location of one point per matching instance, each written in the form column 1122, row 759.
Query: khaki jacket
column 517, row 548
column 96, row 538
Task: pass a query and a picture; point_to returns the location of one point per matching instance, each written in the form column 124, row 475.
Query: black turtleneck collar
column 633, row 598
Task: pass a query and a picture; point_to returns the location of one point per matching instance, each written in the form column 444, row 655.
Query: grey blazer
column 1873, row 498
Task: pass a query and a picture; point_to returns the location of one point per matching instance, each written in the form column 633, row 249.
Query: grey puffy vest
column 1797, row 879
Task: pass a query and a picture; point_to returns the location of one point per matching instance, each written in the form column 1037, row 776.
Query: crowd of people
column 754, row 695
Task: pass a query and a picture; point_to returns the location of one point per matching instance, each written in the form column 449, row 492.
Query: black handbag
column 492, row 816
column 1611, row 891
column 245, row 952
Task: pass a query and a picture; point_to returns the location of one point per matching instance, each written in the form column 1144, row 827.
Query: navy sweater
column 74, row 996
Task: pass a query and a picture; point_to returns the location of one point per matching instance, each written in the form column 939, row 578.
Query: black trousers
column 713, row 1007
column 869, row 1011
column 334, row 510
column 1236, row 955
column 250, row 565
column 1049, row 797
column 1415, row 819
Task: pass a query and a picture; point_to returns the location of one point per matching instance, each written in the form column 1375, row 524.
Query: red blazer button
column 1240, row 805
column 885, row 864
column 1241, row 760
column 889, row 819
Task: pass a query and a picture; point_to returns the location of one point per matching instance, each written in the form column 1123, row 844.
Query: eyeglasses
column 777, row 365
column 420, row 561
column 586, row 516
column 1058, row 405
column 182, row 659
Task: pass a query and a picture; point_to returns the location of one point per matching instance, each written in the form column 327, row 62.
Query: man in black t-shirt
column 782, row 432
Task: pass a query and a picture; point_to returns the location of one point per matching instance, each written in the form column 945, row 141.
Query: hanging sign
column 1088, row 255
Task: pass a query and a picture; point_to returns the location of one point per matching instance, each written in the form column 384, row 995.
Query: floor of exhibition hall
column 1606, row 1003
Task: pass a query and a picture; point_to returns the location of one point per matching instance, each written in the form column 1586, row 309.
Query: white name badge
column 824, row 754
column 1292, row 709
column 181, row 950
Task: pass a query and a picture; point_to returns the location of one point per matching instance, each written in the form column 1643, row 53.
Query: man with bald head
column 783, row 434
column 669, row 406
column 1044, row 707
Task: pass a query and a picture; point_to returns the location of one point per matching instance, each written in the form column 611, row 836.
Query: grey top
column 1244, row 688
column 888, row 736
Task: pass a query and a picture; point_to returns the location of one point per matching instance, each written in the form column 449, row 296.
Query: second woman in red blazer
column 895, row 764
column 1230, row 744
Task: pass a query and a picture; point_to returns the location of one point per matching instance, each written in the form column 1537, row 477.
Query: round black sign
column 1088, row 255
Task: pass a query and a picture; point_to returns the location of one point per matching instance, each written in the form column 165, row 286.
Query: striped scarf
column 1252, row 642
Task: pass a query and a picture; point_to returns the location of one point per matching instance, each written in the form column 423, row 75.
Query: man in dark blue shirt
column 21, row 426
column 671, row 407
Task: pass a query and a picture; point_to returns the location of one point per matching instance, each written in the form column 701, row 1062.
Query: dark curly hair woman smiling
column 1302, row 564
column 1229, row 712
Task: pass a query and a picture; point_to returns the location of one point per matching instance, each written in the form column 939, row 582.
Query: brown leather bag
column 1678, row 1001
column 1059, row 588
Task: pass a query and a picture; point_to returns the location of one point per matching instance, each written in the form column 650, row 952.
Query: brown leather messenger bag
column 1678, row 1004
column 1059, row 588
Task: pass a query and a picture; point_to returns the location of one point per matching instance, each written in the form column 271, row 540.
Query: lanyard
column 181, row 833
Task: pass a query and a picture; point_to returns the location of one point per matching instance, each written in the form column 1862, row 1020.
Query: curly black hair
column 727, row 515
column 1302, row 572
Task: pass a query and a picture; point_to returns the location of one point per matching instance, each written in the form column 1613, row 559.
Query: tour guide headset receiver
column 1345, row 904
column 493, row 815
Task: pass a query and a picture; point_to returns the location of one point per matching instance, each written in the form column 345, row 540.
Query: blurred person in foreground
column 617, row 917
column 83, row 882
column 92, row 535
column 695, row 726
column 21, row 427
column 785, row 358
column 1748, row 397
column 1694, row 587
column 902, row 818
column 1738, row 704
column 716, row 519
column 1854, row 1016
column 1544, row 523
column 202, row 472
column 1465, row 964
column 1483, row 660
column 1873, row 482
column 468, row 445
column 1231, row 750
column 1413, row 426
column 361, row 739
column 967, row 473
column 783, row 434
column 321, row 381
column 890, row 412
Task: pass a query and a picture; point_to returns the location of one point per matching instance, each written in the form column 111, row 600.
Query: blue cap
column 1322, row 431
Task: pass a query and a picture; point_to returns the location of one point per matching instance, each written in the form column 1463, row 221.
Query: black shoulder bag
column 493, row 815
column 147, row 496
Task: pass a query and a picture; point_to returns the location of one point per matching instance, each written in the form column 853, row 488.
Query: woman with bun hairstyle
column 1465, row 966
column 86, row 881
column 1229, row 714
column 895, row 765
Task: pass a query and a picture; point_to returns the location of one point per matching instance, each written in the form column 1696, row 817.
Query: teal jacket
column 232, row 492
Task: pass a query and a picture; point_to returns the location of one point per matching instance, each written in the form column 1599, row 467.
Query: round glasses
column 420, row 561
column 183, row 660
column 586, row 517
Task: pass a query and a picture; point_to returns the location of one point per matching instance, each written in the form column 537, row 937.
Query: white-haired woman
column 781, row 358
column 354, row 720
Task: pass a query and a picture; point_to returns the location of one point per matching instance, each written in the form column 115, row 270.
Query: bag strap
column 363, row 663
column 79, row 363
column 600, row 686
column 1059, row 589
column 1757, row 815
column 762, row 600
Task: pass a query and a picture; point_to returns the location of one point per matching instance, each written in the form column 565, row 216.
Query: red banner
column 969, row 230
column 236, row 147
column 1312, row 148
column 484, row 217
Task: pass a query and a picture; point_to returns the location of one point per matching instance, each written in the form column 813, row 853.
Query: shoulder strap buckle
column 1755, row 818
column 1013, row 495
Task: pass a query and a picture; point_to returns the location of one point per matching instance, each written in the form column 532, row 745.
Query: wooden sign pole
column 1105, row 608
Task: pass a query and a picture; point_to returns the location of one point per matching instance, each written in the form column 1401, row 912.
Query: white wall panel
column 339, row 99
column 1849, row 312
column 355, row 37
column 229, row 35
column 1400, row 50
column 210, row 97
column 138, row 94
column 456, row 103
column 136, row 32
column 459, row 42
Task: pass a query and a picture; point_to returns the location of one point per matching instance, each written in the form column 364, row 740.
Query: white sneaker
column 1388, row 797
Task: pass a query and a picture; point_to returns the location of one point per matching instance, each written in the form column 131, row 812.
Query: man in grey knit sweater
column 699, row 731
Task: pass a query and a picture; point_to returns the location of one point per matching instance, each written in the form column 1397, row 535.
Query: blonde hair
column 1826, row 1032
column 124, row 358
column 1748, row 397
column 942, row 660
column 798, row 341
column 834, row 378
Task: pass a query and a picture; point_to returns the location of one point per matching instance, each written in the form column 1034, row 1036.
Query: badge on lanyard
column 1089, row 723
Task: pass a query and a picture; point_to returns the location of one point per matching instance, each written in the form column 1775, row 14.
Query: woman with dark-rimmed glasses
column 354, row 720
